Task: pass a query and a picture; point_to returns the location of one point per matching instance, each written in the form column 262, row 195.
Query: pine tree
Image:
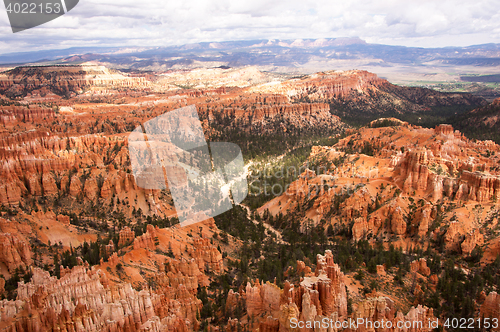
column 57, row 267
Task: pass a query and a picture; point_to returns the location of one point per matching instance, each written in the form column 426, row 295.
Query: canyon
column 86, row 248
column 63, row 80
column 407, row 190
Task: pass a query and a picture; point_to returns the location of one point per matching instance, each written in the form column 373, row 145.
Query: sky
column 163, row 23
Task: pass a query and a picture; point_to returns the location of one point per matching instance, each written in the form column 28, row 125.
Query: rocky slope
column 13, row 114
column 270, row 117
column 360, row 96
column 320, row 298
column 62, row 80
column 481, row 123
column 91, row 299
column 38, row 164
column 432, row 193
column 390, row 193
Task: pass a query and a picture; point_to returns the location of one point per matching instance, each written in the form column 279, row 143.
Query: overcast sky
column 162, row 22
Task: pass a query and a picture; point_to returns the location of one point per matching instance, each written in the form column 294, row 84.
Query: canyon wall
column 63, row 80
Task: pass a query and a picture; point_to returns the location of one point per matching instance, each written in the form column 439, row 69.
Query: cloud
column 159, row 23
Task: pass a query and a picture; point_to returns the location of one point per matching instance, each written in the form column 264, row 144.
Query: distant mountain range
column 299, row 54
